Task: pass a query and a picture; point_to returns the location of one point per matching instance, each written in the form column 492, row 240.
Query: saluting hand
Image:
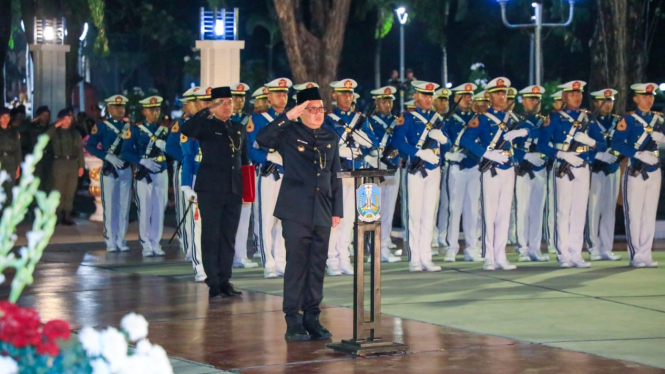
column 80, row 172
column 297, row 111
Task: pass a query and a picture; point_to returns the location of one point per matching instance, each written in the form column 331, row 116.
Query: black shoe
column 214, row 291
column 315, row 329
column 296, row 333
column 67, row 220
column 228, row 290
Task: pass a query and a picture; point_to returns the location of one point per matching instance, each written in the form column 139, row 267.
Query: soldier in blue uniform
column 269, row 165
column 605, row 182
column 105, row 143
column 461, row 183
column 144, row 147
column 637, row 136
column 422, row 187
column 548, row 224
column 571, row 196
column 531, row 181
column 441, row 106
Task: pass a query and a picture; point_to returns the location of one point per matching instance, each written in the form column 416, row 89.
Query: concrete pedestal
column 220, row 62
column 50, row 77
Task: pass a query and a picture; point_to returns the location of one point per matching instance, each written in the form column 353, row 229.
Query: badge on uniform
column 368, row 201
column 301, row 148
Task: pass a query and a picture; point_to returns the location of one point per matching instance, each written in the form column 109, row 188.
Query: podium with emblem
column 367, row 228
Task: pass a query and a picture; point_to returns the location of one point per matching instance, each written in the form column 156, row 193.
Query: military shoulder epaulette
column 616, row 116
column 540, row 116
column 658, row 113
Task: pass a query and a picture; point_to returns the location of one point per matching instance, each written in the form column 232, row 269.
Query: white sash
column 386, row 134
column 646, row 125
column 119, row 136
column 499, row 132
column 153, row 138
column 423, row 136
column 571, row 134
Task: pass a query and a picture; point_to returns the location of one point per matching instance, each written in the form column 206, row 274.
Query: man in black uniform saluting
column 309, row 203
column 218, row 186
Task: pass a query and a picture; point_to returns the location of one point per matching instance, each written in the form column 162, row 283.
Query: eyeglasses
column 314, row 110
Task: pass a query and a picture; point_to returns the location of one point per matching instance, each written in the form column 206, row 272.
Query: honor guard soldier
column 105, row 143
column 564, row 128
column 531, row 181
column 352, row 151
column 409, row 106
column 218, row 187
column 173, row 149
column 308, row 205
column 260, row 100
column 637, row 136
column 383, row 124
column 240, row 260
column 511, row 94
column 488, row 137
column 10, row 154
column 423, row 184
column 144, row 147
column 462, row 183
column 605, row 182
column 269, row 165
column 441, row 107
column 548, row 226
column 481, row 102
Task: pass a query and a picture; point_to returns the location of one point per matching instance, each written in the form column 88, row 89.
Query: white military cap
column 498, row 84
column 533, row 91
column 606, row 93
column 302, row 86
column 151, row 101
column 466, row 88
column 239, row 89
column 411, row 104
column 425, row 87
column 442, row 93
column 557, row 95
column 481, row 96
column 644, row 88
column 204, row 94
column 116, row 100
column 279, row 85
column 260, row 93
column 573, row 86
column 189, row 95
column 355, row 97
column 387, row 92
column 344, row 85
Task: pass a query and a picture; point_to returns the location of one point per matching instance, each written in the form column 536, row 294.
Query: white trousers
column 421, row 193
column 496, row 199
column 340, row 236
column 444, row 208
column 269, row 228
column 463, row 190
column 195, row 229
column 530, row 195
column 601, row 214
column 404, row 206
column 389, row 192
column 550, row 209
column 640, row 204
column 116, row 201
column 512, row 229
column 151, row 199
column 571, row 199
column 243, row 232
column 180, row 207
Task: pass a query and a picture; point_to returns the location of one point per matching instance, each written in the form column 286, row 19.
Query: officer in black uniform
column 309, row 204
column 219, row 186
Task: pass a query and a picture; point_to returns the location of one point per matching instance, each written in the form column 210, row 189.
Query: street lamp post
column 537, row 25
column 402, row 16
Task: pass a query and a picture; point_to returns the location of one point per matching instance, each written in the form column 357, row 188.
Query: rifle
column 639, row 167
column 418, row 165
column 487, row 164
column 564, row 167
column 108, row 168
column 142, row 171
column 525, row 167
column 597, row 166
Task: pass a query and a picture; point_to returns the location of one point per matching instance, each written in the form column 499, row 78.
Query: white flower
column 90, row 339
column 114, row 348
column 4, row 176
column 34, row 237
column 187, row 58
column 137, row 364
column 143, row 347
column 99, row 366
column 135, row 326
column 197, row 58
column 23, row 252
column 2, row 279
column 477, row 65
column 8, row 365
column 159, row 361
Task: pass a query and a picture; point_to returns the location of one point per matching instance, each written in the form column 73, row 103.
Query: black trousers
column 220, row 216
column 306, row 255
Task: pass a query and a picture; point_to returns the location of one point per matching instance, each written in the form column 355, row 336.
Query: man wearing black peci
column 218, row 186
column 309, row 203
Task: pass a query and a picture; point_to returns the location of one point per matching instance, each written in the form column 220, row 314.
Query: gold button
column 315, row 148
column 317, row 188
column 318, row 174
column 233, row 167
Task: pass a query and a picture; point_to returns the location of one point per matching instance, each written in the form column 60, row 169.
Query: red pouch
column 248, row 183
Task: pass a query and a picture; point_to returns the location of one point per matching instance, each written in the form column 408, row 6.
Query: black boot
column 214, row 291
column 228, row 290
column 67, row 219
column 314, row 328
column 295, row 331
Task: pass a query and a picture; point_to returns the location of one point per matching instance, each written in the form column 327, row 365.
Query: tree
column 270, row 24
column 624, row 34
column 5, row 36
column 313, row 35
column 383, row 10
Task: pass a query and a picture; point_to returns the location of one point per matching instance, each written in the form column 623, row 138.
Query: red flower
column 56, row 329
column 20, row 327
column 27, row 318
column 47, row 348
column 8, row 307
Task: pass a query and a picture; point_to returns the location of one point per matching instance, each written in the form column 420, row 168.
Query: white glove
column 606, row 157
column 570, row 157
column 585, row 139
column 362, row 139
column 496, row 155
column 190, row 195
column 275, row 158
column 159, row 143
column 514, row 134
column 345, row 152
column 114, row 160
column 534, row 159
column 428, row 155
column 647, row 158
column 437, row 135
column 150, row 164
column 658, row 136
column 455, row 156
column 373, row 161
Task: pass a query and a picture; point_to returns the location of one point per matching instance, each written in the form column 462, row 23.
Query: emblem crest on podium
column 368, row 201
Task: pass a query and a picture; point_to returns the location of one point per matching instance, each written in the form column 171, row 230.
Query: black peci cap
column 42, row 109
column 220, row 92
column 308, row 94
column 4, row 111
column 64, row 113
